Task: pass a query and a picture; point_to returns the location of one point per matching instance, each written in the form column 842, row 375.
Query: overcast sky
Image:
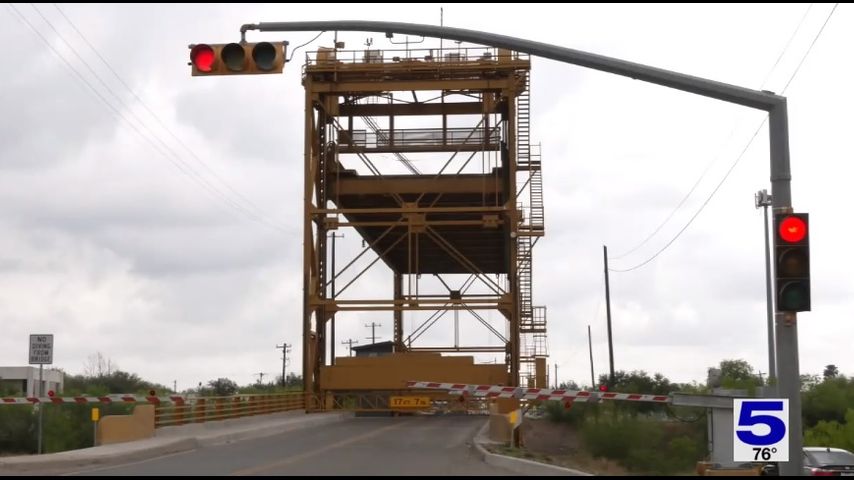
column 179, row 257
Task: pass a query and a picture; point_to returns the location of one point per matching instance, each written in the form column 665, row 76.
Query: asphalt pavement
column 428, row 445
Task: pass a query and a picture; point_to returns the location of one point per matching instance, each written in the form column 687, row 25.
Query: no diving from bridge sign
column 41, row 349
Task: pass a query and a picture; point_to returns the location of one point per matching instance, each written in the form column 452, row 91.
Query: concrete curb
column 519, row 465
column 168, row 442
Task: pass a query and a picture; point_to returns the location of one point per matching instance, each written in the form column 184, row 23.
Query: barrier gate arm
column 522, row 393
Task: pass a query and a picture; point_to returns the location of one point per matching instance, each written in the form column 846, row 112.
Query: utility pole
column 556, row 384
column 286, row 350
column 349, row 344
column 373, row 326
column 608, row 309
column 332, row 323
column 764, row 200
column 590, row 347
column 174, row 386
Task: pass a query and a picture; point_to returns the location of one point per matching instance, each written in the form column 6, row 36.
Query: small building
column 24, row 381
column 375, row 349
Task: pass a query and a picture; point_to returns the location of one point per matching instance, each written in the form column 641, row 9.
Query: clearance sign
column 409, row 402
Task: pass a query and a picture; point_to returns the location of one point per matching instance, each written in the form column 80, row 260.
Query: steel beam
column 400, row 109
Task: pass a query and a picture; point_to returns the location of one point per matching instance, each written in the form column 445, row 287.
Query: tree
column 97, row 365
column 809, row 381
column 116, row 381
column 830, row 371
column 571, row 385
column 828, row 401
column 638, row 381
column 292, row 382
column 223, row 387
column 738, row 374
column 737, row 370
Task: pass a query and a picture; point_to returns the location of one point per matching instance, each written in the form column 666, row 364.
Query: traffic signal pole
column 786, row 328
column 786, row 322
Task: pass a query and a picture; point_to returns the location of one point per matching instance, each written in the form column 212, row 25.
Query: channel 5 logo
column 760, row 430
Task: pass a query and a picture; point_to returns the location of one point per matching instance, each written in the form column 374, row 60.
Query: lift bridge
column 427, row 156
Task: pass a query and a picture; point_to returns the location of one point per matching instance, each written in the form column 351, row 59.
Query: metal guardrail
column 206, row 409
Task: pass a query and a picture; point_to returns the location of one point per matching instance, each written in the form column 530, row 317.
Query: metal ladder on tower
column 523, row 125
column 529, row 158
column 537, row 214
column 523, row 261
column 532, row 320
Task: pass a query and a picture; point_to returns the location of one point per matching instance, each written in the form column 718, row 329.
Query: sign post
column 96, row 415
column 41, row 353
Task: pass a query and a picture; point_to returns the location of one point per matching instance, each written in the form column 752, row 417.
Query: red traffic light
column 50, row 393
column 203, row 57
column 792, row 229
column 603, row 388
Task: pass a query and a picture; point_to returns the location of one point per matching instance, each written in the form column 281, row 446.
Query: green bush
column 575, row 416
column 17, row 434
column 828, row 401
column 646, row 445
column 832, row 433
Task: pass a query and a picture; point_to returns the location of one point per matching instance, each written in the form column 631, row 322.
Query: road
column 357, row 446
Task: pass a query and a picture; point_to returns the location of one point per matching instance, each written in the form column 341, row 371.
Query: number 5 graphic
column 748, row 418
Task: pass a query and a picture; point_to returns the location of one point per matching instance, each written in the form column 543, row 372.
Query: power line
column 738, row 159
column 304, row 44
column 814, row 40
column 717, row 157
column 185, row 169
column 177, row 162
column 697, row 213
column 257, row 210
column 786, row 47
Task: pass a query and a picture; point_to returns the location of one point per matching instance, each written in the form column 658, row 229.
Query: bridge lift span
column 452, row 210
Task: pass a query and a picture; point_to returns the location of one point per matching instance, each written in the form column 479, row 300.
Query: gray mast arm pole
column 775, row 105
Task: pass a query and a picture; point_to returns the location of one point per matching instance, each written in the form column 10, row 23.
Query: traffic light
column 603, row 387
column 237, row 58
column 792, row 262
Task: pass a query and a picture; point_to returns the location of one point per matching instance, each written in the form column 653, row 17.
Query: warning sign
column 41, row 349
